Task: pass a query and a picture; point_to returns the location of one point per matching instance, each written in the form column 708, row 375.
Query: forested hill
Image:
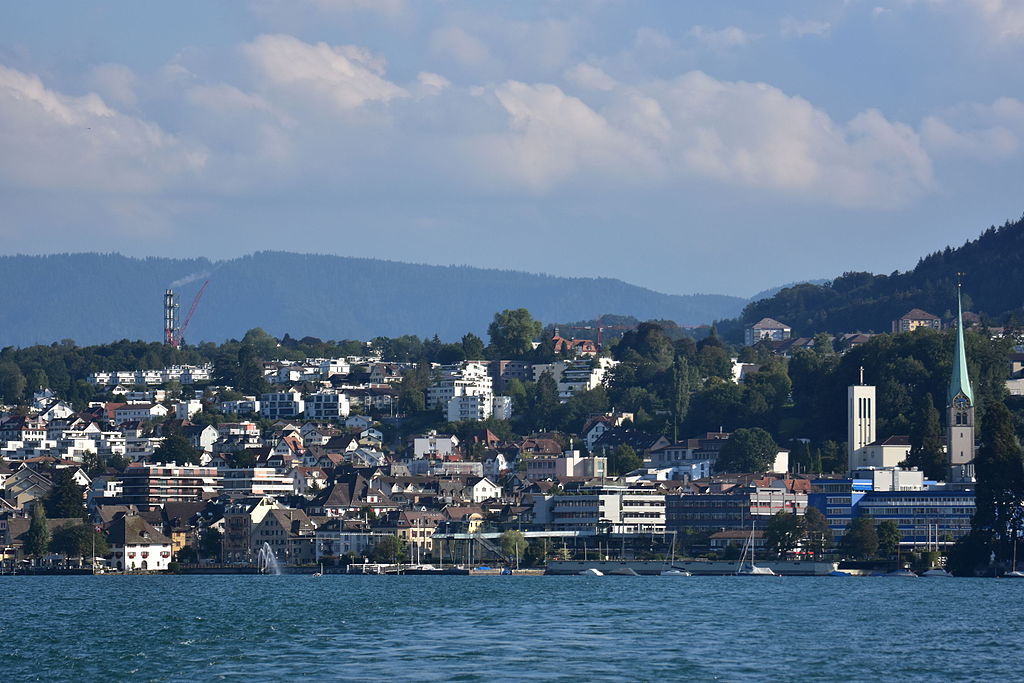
column 993, row 286
column 95, row 298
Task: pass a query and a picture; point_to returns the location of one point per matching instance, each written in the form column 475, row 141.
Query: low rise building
column 135, row 545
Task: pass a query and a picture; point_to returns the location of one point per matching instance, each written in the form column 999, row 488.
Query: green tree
column 513, row 543
column 79, row 540
column 512, row 333
column 822, row 343
column 12, row 383
column 249, row 377
column 784, row 532
column 624, row 459
column 888, row 537
column 244, row 458
column 66, row 499
column 861, row 539
column 999, row 468
column 473, row 347
column 542, row 397
column 412, row 389
column 817, row 532
column 390, row 549
column 681, row 384
column 176, row 449
column 38, row 380
column 747, row 450
column 211, row 542
column 926, row 451
column 37, row 540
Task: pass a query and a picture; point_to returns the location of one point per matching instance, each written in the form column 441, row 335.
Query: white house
column 359, row 422
column 482, row 489
column 140, row 412
column 433, row 445
column 135, row 544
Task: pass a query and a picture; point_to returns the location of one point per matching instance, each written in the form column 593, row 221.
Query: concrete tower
column 960, row 406
column 860, row 421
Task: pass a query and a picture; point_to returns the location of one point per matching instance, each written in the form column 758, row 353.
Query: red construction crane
column 601, row 328
column 188, row 318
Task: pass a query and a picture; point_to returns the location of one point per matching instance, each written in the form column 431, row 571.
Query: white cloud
column 722, row 39
column 345, row 77
column 1005, row 18
column 115, row 82
column 456, row 43
column 988, row 132
column 392, row 8
column 738, row 133
column 647, row 38
column 431, row 83
column 755, row 134
column 553, row 136
column 791, row 26
column 52, row 140
column 591, row 77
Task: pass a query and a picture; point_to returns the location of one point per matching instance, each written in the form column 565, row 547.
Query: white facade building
column 466, row 379
column 186, row 409
column 277, row 405
column 327, row 405
column 244, row 406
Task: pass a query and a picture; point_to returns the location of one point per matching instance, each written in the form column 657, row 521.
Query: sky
column 682, row 146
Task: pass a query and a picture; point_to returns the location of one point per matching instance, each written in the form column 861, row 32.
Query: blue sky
column 683, row 146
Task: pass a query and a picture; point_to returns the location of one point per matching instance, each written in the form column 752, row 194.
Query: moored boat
column 675, row 572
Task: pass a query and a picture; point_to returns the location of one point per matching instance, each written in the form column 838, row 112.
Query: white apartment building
column 255, row 481
column 282, row 404
column 469, row 378
column 243, row 406
column 186, row 374
column 140, row 412
column 327, row 405
column 574, row 376
column 433, row 445
column 479, row 407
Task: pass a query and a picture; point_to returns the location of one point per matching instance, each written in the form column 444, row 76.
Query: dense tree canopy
column 512, row 333
column 747, row 450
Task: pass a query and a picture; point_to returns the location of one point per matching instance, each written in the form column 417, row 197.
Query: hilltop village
column 534, row 448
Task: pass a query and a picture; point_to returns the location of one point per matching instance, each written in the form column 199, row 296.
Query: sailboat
column 1014, row 574
column 321, row 572
column 672, row 570
column 748, row 568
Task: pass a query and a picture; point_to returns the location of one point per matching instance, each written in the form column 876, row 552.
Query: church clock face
column 961, row 401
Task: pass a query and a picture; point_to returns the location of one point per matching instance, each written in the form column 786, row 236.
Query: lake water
column 373, row 628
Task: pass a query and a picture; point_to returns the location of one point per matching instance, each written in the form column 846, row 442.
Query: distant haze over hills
column 96, row 298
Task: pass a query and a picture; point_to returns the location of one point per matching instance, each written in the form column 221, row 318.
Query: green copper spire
column 960, row 382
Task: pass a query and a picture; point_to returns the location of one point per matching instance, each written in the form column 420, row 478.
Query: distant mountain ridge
column 993, row 282
column 96, row 298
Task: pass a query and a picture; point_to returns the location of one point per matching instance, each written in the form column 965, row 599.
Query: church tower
column 860, row 421
column 960, row 406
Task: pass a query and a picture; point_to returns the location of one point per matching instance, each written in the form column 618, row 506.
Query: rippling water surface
column 198, row 628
